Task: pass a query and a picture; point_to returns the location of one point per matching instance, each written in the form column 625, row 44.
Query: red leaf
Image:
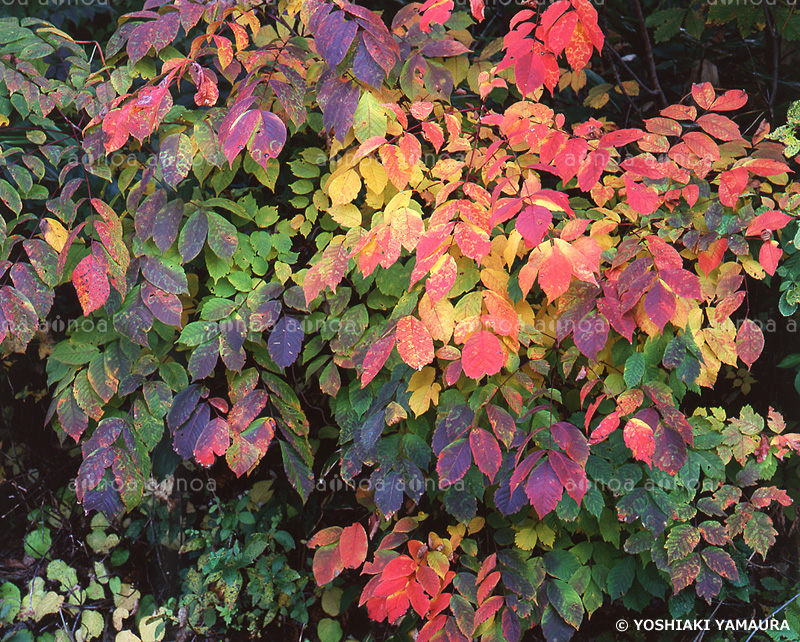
column 91, row 283
column 533, row 223
column 486, row 587
column 772, row 220
column 473, row 242
column 703, row 95
column 659, row 304
column 730, row 100
column 731, row 185
column 353, row 546
column 488, row 609
column 769, row 255
column 486, row 452
column 639, row 438
column 664, row 255
column 720, row 127
column 544, row 490
column 376, row 356
column 712, row 257
column 765, row 166
column 477, row 8
column 620, row 137
column 325, row 536
column 702, row 145
column 592, row 169
column 483, row 354
column 641, row 198
column 682, row 282
column 691, row 193
column 529, row 72
column 414, row 343
column 214, row 440
column 749, row 342
column 434, row 12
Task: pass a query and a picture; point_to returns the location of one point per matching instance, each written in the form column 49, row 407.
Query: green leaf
column 620, row 578
column 38, row 542
column 634, row 369
column 667, row 23
column 566, row 601
column 329, row 630
column 370, row 118
column 222, row 236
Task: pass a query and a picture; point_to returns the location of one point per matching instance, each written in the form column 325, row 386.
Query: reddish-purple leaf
column 682, row 282
column 453, row 462
column 670, row 449
column 572, row 440
column 659, row 304
column 544, row 490
column 334, row 37
column 165, row 307
column 571, row 475
column 486, row 452
column 590, row 334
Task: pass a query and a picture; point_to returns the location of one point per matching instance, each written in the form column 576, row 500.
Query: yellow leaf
column 346, row 215
column 54, row 233
column 630, row 87
column 439, row 318
column 344, row 188
column 526, row 537
column 547, row 535
column 374, row 175
column 423, row 390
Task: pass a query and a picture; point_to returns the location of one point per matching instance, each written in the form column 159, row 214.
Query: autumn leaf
column 91, row 282
column 483, row 354
column 414, row 342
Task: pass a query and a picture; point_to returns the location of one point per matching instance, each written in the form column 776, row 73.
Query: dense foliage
column 505, row 310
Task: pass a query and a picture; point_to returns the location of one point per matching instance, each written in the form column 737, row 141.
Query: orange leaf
column 555, row 274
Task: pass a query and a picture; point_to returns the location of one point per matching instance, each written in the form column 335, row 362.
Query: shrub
column 506, row 309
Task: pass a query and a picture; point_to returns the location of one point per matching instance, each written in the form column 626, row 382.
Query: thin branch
column 774, row 49
column 651, row 62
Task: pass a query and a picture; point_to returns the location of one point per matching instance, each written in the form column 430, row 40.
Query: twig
column 637, row 6
column 774, row 44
